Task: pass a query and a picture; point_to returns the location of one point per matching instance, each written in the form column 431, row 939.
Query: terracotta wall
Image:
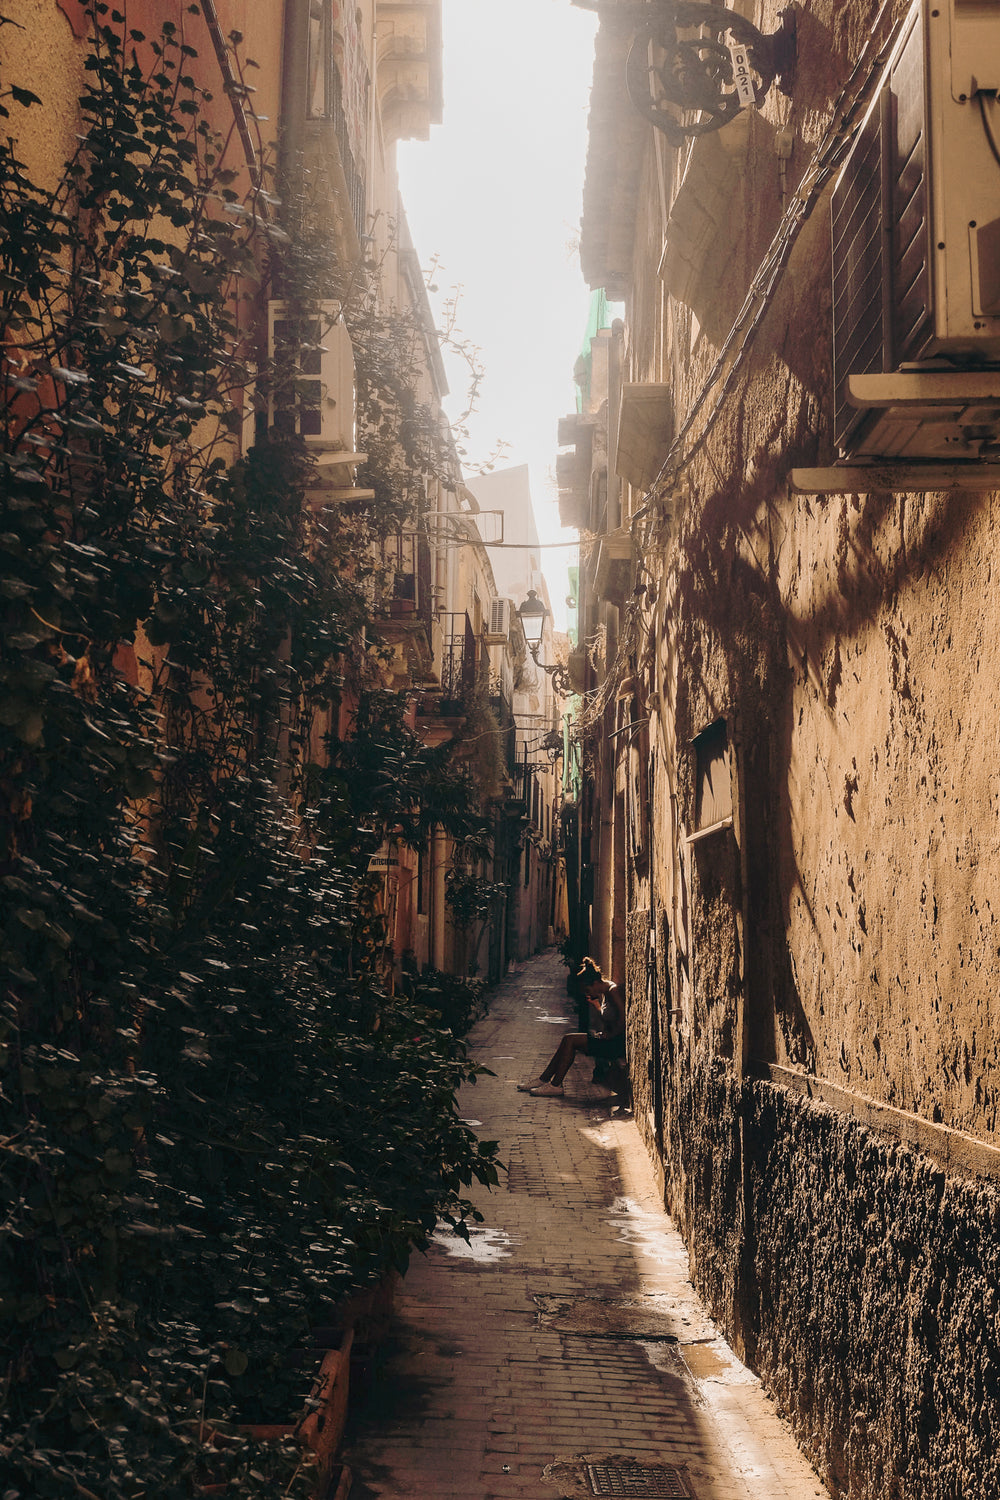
column 43, row 30
column 57, row 30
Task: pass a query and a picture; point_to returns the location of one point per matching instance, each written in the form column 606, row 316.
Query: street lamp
column 553, row 745
column 533, row 614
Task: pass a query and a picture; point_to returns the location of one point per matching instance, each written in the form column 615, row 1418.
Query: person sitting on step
column 607, row 1045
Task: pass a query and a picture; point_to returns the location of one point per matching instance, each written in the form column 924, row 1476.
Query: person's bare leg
column 559, row 1064
column 564, row 1057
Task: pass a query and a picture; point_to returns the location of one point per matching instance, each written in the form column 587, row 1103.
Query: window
column 314, row 366
column 713, row 781
column 320, row 60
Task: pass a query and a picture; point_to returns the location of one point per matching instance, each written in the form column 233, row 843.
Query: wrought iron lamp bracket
column 691, row 58
column 553, row 745
column 561, row 681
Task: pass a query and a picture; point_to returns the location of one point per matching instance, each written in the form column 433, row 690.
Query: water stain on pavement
column 483, row 1247
column 645, row 1231
column 608, row 1318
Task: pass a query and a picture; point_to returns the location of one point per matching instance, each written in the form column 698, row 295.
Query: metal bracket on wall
column 925, row 430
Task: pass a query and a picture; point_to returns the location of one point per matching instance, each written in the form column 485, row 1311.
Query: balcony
column 573, row 482
column 409, row 67
column 645, row 431
column 448, row 689
column 458, row 665
column 613, row 564
column 403, row 615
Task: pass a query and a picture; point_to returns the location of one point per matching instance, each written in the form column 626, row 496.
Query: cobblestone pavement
column 568, row 1330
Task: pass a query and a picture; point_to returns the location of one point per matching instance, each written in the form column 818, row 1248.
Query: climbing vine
column 215, row 1118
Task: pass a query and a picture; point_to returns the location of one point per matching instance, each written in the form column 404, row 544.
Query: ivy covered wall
column 217, row 1117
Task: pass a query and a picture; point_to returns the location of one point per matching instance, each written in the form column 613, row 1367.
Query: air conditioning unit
column 313, row 355
column 499, row 620
column 916, row 247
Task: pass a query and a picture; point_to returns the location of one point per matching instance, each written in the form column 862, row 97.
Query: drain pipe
column 235, row 91
column 438, row 888
column 294, row 85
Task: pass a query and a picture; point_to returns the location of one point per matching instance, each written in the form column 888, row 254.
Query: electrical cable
column 844, row 124
column 845, row 121
column 988, row 123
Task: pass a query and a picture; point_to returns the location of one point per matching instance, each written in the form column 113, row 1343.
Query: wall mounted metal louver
column 693, row 67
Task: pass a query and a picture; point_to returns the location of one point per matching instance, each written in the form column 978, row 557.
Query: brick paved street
column 569, row 1327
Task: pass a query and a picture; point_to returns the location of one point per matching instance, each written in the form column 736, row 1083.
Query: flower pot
column 320, row 1429
column 367, row 1311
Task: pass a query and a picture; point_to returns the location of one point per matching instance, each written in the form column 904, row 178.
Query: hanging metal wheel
column 680, row 64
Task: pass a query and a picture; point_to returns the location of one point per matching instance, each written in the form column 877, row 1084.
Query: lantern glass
column 532, row 615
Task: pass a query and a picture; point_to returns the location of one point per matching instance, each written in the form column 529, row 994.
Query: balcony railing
column 504, row 713
column 458, row 663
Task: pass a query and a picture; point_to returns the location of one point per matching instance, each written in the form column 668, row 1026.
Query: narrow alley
column 564, row 1352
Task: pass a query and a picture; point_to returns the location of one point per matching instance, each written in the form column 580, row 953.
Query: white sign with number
column 742, row 76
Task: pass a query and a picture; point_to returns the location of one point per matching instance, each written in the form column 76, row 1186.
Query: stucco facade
column 795, row 839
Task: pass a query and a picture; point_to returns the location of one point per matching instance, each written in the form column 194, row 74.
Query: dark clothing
column 607, row 1048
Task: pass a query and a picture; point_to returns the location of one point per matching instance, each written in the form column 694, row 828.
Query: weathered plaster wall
column 890, row 837
column 45, row 135
column 850, row 639
column 45, row 46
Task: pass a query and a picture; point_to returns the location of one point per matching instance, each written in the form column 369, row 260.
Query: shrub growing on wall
column 211, row 1126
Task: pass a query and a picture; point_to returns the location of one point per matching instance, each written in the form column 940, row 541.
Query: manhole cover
column 639, row 1479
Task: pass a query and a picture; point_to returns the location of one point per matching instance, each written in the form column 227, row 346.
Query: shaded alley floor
column 568, row 1331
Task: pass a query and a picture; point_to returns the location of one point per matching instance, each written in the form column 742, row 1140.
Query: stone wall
column 855, row 1276
column 873, row 1300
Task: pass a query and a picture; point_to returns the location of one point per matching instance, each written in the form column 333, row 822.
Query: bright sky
column 496, row 196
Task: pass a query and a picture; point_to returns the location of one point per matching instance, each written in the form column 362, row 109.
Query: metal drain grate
column 653, row 1480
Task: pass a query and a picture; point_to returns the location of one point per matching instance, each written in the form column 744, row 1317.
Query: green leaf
column 236, row 1362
